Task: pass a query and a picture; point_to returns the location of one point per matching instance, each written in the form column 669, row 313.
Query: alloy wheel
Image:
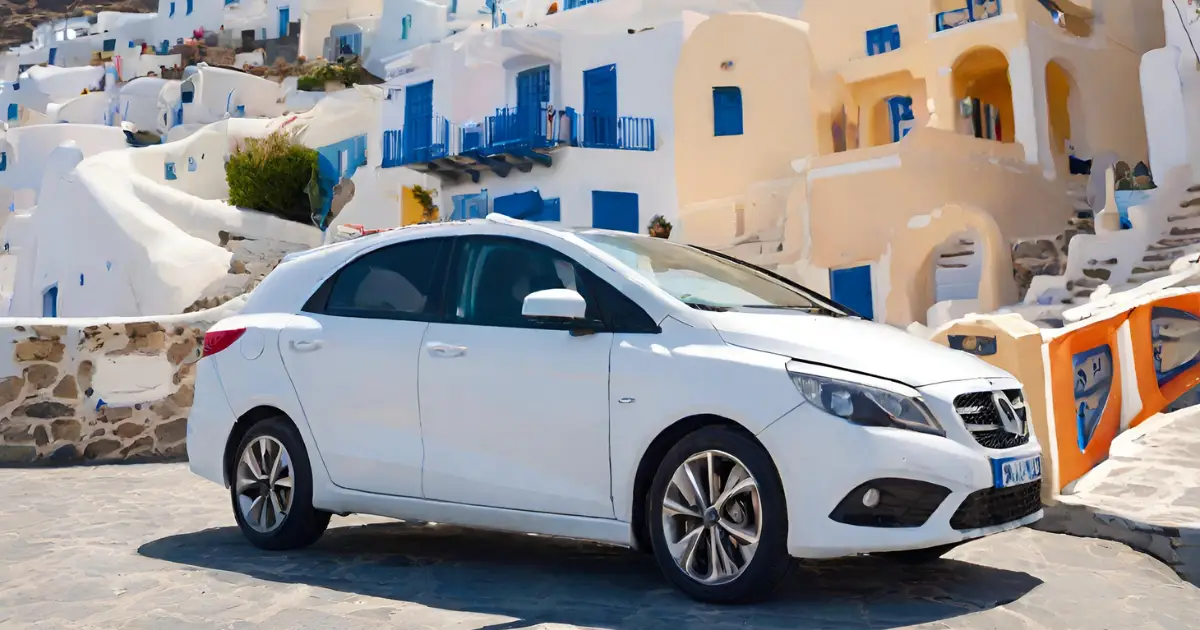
column 712, row 517
column 264, row 484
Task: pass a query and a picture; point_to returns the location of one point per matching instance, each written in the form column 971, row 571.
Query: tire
column 751, row 580
column 301, row 524
column 918, row 556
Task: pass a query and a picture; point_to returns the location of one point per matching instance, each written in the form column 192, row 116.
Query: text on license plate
column 1015, row 471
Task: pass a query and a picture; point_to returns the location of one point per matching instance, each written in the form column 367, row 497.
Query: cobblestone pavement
column 152, row 546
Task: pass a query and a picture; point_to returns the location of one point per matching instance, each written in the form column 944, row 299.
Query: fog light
column 871, row 498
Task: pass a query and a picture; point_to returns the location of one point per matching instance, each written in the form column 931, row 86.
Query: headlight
column 865, row 405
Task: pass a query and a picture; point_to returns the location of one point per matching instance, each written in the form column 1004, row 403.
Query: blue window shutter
column 189, row 7
column 727, row 111
column 172, row 13
column 50, row 301
column 882, row 40
column 551, row 210
column 852, row 288
column 13, row 111
column 615, row 211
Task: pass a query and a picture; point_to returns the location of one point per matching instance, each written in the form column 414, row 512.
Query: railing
column 575, row 4
column 511, row 128
column 975, row 11
column 400, row 148
column 626, row 133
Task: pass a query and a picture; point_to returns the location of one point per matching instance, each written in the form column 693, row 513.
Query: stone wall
column 77, row 390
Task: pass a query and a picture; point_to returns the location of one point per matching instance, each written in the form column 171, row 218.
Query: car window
column 496, row 274
column 398, row 281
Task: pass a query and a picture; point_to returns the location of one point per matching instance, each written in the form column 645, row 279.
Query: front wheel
column 718, row 518
column 272, row 488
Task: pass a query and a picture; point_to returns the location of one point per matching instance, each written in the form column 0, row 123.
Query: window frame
column 594, row 288
column 318, row 302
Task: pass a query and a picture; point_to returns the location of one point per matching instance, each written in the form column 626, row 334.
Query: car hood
column 852, row 344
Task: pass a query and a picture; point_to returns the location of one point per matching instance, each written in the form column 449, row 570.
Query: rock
column 97, row 433
column 1041, row 248
column 184, row 396
column 16, row 433
column 45, row 409
column 10, row 389
column 68, row 429
column 179, row 451
column 171, row 432
column 164, row 409
column 138, row 446
column 40, row 436
column 178, row 352
column 238, row 267
column 114, row 414
column 84, row 374
column 101, row 448
column 12, row 454
column 130, row 429
column 41, row 375
column 144, row 338
column 66, row 452
column 1099, row 274
column 39, row 350
column 66, row 388
column 53, row 333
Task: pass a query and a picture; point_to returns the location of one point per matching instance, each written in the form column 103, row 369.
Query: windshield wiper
column 701, row 306
column 814, row 309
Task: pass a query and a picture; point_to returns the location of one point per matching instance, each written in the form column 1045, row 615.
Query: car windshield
column 704, row 281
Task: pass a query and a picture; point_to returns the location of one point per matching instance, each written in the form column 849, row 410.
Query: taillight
column 217, row 340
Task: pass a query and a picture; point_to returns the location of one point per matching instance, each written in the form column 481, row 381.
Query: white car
column 604, row 386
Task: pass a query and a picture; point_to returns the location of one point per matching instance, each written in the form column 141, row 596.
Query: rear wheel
column 718, row 518
column 272, row 488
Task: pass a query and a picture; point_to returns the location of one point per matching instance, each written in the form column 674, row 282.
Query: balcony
column 511, row 139
column 974, row 11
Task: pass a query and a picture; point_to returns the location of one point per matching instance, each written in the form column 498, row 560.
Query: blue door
column 50, row 302
column 13, row 112
column 851, row 287
column 615, row 211
column 533, row 90
column 525, row 206
column 600, row 107
column 901, row 115
column 418, row 122
column 285, row 16
column 53, row 55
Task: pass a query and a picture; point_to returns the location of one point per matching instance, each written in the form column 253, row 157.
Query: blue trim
column 169, row 171
column 727, row 111
column 1087, row 418
column 3, row 161
column 1160, row 315
column 900, row 111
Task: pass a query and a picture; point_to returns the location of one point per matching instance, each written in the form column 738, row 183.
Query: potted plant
column 659, row 227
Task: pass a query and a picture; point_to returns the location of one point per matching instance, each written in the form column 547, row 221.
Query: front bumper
column 822, row 459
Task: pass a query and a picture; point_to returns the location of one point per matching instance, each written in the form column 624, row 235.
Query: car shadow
column 537, row 579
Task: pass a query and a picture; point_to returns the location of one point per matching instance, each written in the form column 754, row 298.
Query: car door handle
column 305, row 346
column 445, row 350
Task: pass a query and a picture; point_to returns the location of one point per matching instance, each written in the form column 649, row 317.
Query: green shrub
column 271, row 175
column 310, row 84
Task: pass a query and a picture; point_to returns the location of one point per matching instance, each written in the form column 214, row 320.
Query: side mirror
column 560, row 304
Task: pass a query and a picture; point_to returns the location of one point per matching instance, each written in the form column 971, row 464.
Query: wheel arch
column 243, row 425
column 653, row 456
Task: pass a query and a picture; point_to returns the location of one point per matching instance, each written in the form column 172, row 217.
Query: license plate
column 1015, row 471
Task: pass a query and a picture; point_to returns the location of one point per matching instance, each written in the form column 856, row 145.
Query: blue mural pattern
column 1093, row 370
column 1160, row 318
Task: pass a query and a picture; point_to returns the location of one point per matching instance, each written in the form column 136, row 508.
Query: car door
column 515, row 412
column 352, row 355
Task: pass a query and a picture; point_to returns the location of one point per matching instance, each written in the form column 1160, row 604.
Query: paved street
column 152, row 546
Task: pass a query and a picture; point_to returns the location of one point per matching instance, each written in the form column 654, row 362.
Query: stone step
column 1108, row 262
column 945, row 265
column 1097, row 274
column 1172, row 243
column 1182, row 231
column 1195, row 214
column 957, row 254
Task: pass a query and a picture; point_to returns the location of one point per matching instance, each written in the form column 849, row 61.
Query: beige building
column 892, row 153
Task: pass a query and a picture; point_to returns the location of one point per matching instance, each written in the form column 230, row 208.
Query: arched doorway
column 1064, row 111
column 984, row 94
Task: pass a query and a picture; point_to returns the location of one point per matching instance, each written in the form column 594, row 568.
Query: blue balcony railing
column 627, row 133
column 511, row 128
column 575, row 4
column 974, row 11
column 419, row 145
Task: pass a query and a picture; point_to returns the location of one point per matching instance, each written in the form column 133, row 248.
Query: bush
column 271, row 175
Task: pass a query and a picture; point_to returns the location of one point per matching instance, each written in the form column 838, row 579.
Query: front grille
column 997, row 506
column 978, row 411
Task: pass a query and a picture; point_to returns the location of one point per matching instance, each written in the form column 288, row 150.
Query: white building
column 561, row 112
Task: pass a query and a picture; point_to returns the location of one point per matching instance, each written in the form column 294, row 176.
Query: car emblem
column 1009, row 419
